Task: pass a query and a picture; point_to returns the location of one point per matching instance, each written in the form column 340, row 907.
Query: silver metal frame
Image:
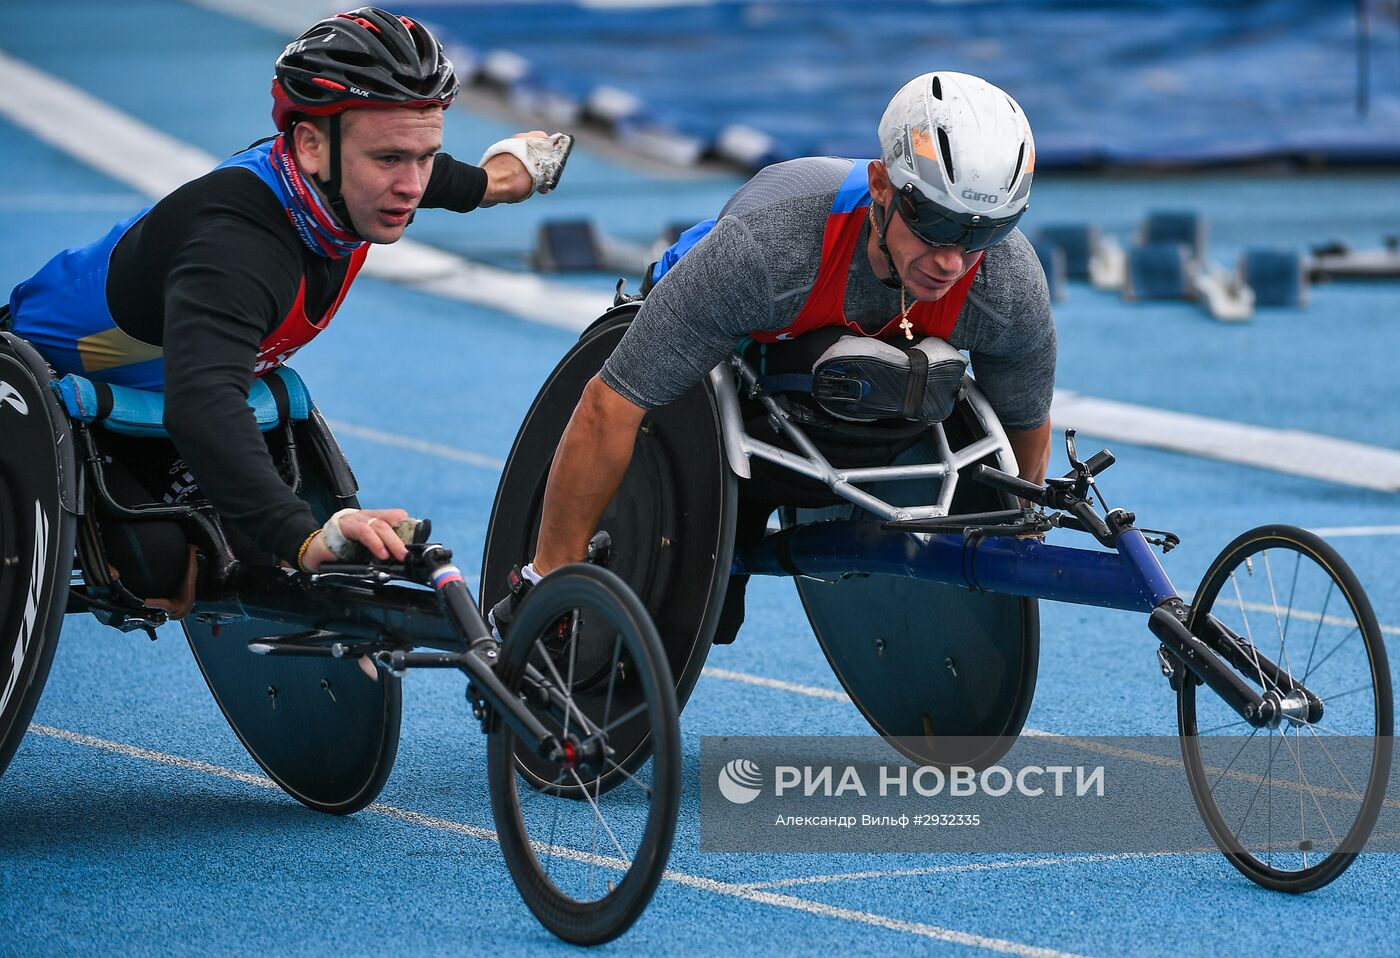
column 728, row 377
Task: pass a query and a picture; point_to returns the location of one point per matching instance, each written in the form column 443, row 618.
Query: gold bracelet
column 301, row 553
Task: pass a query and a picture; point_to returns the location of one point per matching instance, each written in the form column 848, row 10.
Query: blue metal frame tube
column 1006, row 564
column 1133, row 547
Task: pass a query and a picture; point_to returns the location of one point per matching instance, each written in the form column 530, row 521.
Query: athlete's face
column 386, row 157
column 928, row 271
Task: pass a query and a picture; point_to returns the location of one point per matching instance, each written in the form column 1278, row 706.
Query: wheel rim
column 1291, row 806
column 587, row 839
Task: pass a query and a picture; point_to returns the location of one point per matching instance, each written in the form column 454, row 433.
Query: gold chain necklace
column 905, row 323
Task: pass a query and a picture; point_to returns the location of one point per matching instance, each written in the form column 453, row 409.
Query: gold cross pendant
column 907, row 326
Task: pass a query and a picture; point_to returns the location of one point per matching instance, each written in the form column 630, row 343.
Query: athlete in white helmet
column 915, row 251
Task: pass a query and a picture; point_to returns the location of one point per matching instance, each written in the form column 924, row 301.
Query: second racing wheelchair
column 919, row 558
column 578, row 705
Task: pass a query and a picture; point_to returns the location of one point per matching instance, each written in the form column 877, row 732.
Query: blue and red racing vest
column 825, row 303
column 62, row 309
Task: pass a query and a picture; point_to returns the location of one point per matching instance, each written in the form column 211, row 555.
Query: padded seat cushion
column 275, row 397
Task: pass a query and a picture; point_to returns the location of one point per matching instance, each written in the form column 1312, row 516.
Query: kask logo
column 740, row 781
column 10, row 396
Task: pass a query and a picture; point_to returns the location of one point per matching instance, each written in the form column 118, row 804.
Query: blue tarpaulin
column 1104, row 83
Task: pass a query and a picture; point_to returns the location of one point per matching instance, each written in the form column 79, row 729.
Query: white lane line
column 417, row 445
column 1281, row 450
column 729, row 889
column 1336, row 620
column 811, row 691
column 155, row 163
column 1342, row 532
column 971, row 867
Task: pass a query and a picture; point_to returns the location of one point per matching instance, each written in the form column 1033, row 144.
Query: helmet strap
column 881, row 223
column 330, row 186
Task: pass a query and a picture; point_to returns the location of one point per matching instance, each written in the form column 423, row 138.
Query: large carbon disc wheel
column 37, row 533
column 945, row 675
column 1289, row 806
column 586, row 839
column 326, row 730
column 671, row 522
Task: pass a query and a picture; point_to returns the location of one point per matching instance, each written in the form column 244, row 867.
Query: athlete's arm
column 1032, row 450
column 1016, row 350
column 588, row 467
column 454, row 185
column 689, row 323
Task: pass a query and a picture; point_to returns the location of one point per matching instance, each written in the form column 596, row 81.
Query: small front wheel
column 587, row 833
column 1290, row 804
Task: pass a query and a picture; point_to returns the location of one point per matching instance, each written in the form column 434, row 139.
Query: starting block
column 1277, row 276
column 578, row 246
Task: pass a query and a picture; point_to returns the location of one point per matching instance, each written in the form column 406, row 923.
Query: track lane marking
column 697, row 882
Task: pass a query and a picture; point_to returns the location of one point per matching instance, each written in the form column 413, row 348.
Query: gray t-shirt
column 753, row 272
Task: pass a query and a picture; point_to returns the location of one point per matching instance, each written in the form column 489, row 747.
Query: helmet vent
column 1013, row 104
column 937, row 88
column 1016, row 171
column 946, row 149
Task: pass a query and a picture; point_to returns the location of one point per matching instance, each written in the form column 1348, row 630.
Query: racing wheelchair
column 919, row 558
column 578, row 705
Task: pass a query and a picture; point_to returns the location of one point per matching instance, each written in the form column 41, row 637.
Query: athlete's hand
column 373, row 529
column 524, row 164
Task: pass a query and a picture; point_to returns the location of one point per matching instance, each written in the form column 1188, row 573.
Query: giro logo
column 980, row 197
column 9, row 396
column 31, row 604
column 740, row 781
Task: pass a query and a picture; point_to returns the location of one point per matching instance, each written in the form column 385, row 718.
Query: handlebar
column 1054, row 497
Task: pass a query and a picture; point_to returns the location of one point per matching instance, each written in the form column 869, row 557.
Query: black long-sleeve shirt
column 209, row 272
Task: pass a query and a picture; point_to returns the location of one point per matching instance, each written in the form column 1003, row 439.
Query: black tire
column 1305, row 585
column 560, row 889
column 38, row 529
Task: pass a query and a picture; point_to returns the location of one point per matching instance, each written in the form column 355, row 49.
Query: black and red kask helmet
column 365, row 58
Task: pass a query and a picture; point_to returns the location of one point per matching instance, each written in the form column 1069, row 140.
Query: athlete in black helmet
column 225, row 278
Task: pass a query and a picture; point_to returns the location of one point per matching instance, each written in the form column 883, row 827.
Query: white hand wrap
column 542, row 156
column 335, row 540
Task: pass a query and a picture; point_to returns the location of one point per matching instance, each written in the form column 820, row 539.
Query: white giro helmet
column 960, row 155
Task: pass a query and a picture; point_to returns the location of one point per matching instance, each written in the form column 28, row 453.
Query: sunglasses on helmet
column 939, row 227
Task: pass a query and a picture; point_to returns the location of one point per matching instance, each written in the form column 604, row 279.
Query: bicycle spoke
column 1216, row 728
column 1251, row 647
column 612, row 677
column 599, row 813
column 1268, row 777
column 1321, row 619
column 1325, row 751
column 1312, row 793
column 624, row 719
column 543, row 790
column 1356, row 630
column 1273, row 599
column 574, row 620
column 1227, row 768
column 592, row 864
column 646, row 789
column 1341, row 695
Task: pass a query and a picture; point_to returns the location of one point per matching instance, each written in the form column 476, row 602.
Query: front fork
column 1217, row 657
